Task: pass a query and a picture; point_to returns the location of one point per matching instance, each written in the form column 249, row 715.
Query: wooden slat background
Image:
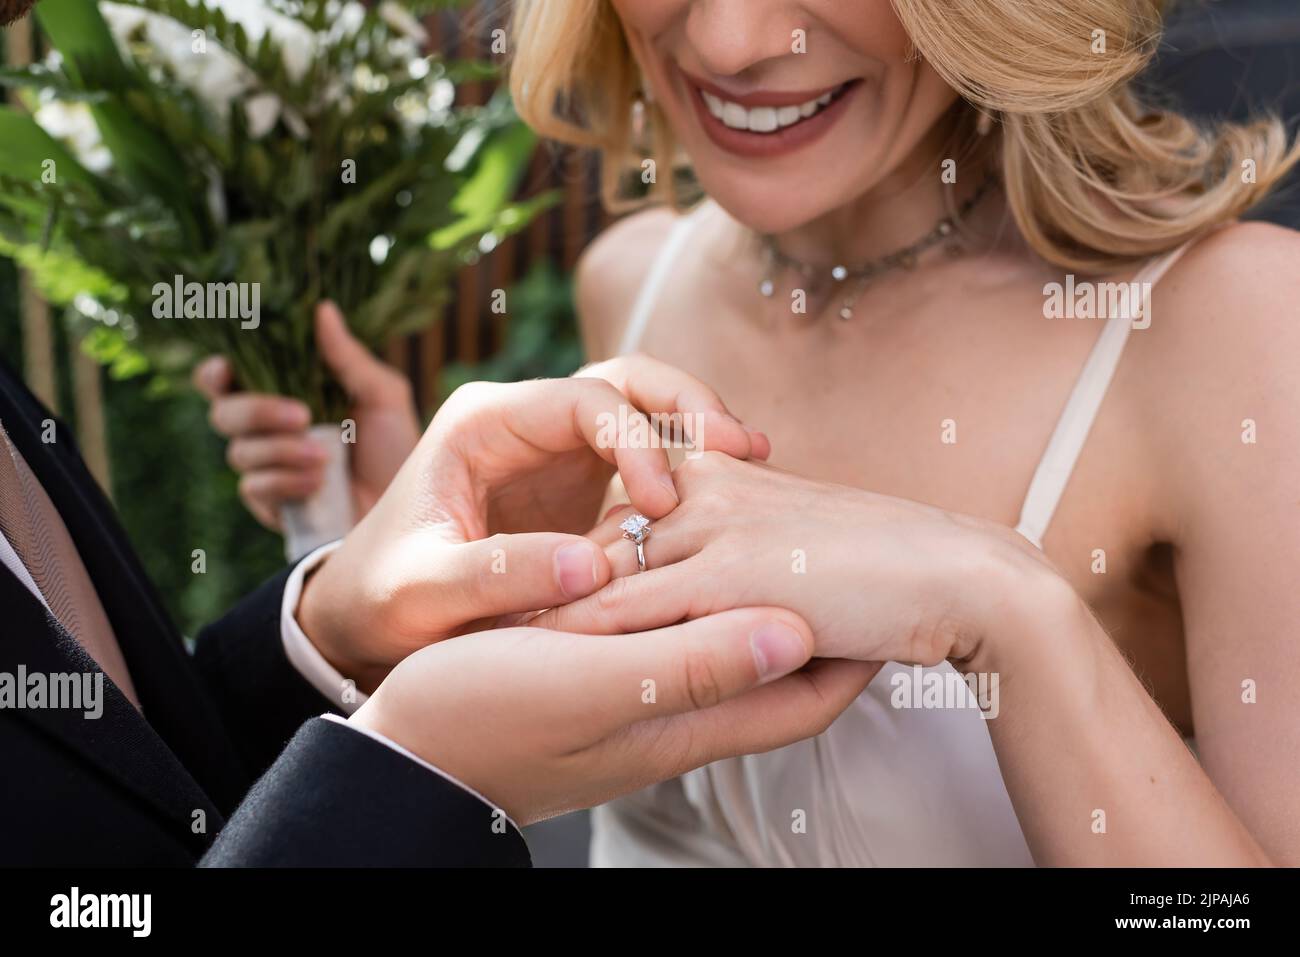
column 466, row 330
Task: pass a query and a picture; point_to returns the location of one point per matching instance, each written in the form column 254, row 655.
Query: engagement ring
column 636, row 529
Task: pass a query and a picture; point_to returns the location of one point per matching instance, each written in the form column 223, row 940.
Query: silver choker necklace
column 855, row 279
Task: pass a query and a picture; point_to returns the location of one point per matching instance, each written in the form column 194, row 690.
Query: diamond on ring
column 636, row 528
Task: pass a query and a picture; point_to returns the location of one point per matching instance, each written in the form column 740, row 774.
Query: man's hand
column 277, row 462
column 541, row 722
column 480, row 522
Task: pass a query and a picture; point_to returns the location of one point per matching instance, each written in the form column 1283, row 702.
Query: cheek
column 868, row 27
column 647, row 18
column 645, row 23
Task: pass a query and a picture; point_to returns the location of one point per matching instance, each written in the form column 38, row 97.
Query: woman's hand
column 542, row 723
column 269, row 447
column 877, row 578
column 473, row 528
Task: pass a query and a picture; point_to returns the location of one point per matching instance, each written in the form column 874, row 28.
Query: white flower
column 217, row 77
column 297, row 42
column 262, row 110
column 402, row 21
column 73, row 125
column 346, row 22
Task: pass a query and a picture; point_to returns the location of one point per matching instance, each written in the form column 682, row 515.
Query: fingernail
column 575, row 569
column 666, row 480
column 778, row 650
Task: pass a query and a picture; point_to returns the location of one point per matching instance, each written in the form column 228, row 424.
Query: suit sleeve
column 336, row 798
column 262, row 698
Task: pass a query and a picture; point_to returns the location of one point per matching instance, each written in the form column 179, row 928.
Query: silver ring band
column 636, row 529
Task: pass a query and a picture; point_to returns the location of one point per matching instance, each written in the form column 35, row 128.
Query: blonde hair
column 1093, row 178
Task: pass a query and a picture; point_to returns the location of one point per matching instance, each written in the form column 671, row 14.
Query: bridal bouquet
column 193, row 177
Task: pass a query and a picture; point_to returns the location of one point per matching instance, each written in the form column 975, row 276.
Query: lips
column 766, row 124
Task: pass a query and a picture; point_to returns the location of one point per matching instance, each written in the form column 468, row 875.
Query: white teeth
column 762, row 119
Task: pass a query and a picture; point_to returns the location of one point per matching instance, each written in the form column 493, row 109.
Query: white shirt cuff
column 302, row 654
column 389, row 743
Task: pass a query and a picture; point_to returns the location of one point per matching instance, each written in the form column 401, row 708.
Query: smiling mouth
column 766, row 124
column 767, row 119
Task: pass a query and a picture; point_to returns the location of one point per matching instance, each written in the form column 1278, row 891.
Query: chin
column 770, row 204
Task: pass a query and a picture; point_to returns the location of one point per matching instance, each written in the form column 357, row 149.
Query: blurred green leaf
column 78, row 31
column 27, row 147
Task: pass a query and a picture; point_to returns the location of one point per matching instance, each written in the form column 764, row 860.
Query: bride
column 1092, row 519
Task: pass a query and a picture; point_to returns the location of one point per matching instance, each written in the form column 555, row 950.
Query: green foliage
column 541, row 338
column 175, row 494
column 330, row 165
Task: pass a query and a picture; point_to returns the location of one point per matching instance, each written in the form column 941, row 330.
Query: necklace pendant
column 766, row 288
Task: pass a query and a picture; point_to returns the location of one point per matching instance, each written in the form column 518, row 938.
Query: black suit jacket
column 155, row 788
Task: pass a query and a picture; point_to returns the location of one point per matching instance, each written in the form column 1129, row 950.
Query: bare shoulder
column 1221, row 359
column 1230, row 303
column 1235, row 289
column 611, row 272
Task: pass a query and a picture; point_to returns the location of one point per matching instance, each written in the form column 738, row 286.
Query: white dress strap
column 644, row 306
column 1057, row 465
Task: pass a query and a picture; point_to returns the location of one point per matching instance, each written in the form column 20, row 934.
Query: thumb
column 506, row 574
column 365, row 378
column 213, row 377
column 692, row 666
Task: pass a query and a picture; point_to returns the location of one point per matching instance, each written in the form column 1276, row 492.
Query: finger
column 245, row 413
column 291, row 452
column 635, row 603
column 668, row 543
column 213, row 377
column 506, row 574
column 556, row 416
column 796, row 707
column 265, row 514
column 271, row 488
column 659, row 388
column 363, row 376
column 685, row 667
